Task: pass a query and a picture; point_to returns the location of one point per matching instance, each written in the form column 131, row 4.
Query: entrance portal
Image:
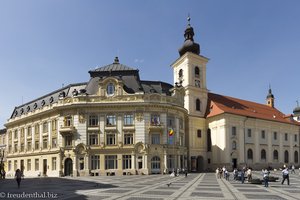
column 68, row 167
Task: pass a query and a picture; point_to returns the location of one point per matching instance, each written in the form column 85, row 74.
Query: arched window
column 296, row 157
column 197, row 72
column 286, row 156
column 275, row 155
column 263, row 154
column 155, row 162
column 180, row 74
column 234, row 145
column 110, row 90
column 250, row 154
column 198, row 105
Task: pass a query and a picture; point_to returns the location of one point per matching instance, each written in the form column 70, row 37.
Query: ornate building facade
column 117, row 124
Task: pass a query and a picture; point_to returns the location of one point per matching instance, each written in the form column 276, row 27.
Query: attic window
column 22, row 110
column 16, row 113
column 62, row 95
column 28, row 108
column 51, row 100
column 75, row 92
column 35, row 105
column 43, row 103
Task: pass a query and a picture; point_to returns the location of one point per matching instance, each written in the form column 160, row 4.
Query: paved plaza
column 152, row 187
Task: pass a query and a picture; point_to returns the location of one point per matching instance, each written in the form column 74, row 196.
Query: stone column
column 49, row 134
column 132, row 161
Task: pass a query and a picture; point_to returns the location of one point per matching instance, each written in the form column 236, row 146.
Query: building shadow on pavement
column 51, row 188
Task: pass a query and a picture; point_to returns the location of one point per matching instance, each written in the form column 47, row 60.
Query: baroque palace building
column 117, row 124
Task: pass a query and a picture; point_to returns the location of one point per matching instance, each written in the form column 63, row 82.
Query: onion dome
column 189, row 45
column 297, row 109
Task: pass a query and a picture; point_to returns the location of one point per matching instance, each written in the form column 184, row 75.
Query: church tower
column 270, row 98
column 189, row 72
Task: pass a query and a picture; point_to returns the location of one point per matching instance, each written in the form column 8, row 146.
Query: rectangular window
column 93, row 139
column 28, row 164
column 263, row 134
column 22, row 147
column 155, row 138
column 275, row 135
column 53, row 163
column 29, row 131
column 29, row 146
column 128, row 119
column 128, row 138
column 233, row 131
column 45, row 127
column 37, row 129
column 110, row 120
column 15, row 165
column 68, row 121
column 45, row 143
column 95, row 162
column 171, row 121
column 16, row 147
column 93, row 120
column 199, row 135
column 126, row 161
column 295, row 138
column 68, row 140
column 249, row 132
column 54, row 142
column 36, row 165
column 36, row 145
column 111, row 139
column 9, row 148
column 16, row 134
column 155, row 120
column 111, row 162
column 286, row 137
column 180, row 123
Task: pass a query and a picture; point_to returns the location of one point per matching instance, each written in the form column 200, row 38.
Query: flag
column 171, row 134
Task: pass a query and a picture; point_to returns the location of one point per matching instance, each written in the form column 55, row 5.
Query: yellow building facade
column 118, row 124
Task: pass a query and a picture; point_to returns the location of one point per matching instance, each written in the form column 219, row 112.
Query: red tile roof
column 219, row 104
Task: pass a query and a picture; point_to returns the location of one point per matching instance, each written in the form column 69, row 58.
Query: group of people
column 222, row 172
column 247, row 173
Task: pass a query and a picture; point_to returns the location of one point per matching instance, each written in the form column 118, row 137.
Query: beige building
column 117, row 124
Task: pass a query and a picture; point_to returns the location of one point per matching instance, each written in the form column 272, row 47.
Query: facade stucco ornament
column 139, row 117
column 82, row 118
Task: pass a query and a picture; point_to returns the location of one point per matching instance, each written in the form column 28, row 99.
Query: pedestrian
column 249, row 174
column 227, row 175
column 185, row 173
column 293, row 169
column 285, row 175
column 266, row 174
column 18, row 177
column 243, row 175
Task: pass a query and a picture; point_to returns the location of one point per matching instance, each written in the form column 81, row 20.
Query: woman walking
column 18, row 176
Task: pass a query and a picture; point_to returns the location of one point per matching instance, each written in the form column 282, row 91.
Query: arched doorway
column 68, row 167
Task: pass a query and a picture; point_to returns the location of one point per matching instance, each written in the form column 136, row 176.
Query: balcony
column 156, row 126
column 67, row 129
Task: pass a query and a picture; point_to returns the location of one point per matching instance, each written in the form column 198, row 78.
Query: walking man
column 266, row 177
column 285, row 175
column 18, row 177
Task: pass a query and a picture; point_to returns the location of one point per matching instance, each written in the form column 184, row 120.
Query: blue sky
column 250, row 44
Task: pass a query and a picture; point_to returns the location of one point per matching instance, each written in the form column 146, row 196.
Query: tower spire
column 189, row 45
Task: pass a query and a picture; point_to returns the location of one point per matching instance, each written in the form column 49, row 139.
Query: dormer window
column 43, row 103
column 35, row 105
column 110, row 90
column 51, row 99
